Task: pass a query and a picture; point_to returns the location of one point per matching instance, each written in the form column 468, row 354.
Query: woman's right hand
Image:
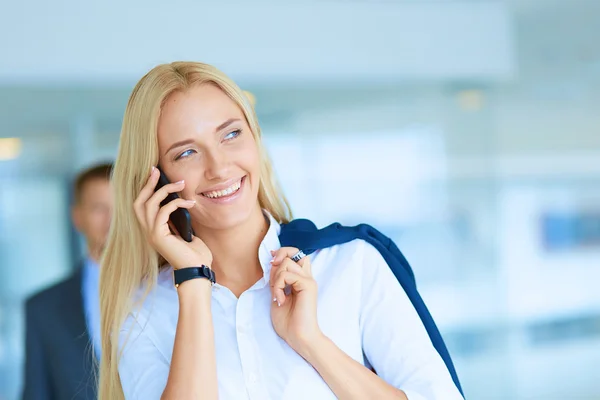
column 154, row 220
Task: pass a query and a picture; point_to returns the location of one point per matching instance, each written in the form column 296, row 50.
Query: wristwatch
column 185, row 274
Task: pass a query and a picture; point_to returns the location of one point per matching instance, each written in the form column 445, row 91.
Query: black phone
column 180, row 218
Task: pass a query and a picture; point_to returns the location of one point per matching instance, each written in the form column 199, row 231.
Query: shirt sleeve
column 394, row 338
column 143, row 369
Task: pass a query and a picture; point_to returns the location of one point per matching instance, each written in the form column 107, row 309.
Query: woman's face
column 204, row 139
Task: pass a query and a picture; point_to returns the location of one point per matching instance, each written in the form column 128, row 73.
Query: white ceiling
column 557, row 54
column 257, row 43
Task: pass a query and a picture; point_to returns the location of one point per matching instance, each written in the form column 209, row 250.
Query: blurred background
column 468, row 131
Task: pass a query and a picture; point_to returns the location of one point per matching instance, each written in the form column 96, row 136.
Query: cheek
column 249, row 155
column 192, row 175
column 252, row 161
column 95, row 224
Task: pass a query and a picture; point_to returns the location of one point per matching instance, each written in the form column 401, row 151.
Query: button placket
column 248, row 349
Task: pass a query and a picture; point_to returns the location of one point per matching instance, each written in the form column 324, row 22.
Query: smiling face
column 204, row 139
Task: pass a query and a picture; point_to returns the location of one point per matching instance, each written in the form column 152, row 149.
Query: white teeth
column 225, row 192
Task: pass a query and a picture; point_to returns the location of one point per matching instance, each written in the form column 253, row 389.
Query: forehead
column 95, row 187
column 200, row 109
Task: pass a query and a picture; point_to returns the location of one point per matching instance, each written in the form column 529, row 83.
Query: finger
column 153, row 203
column 288, row 265
column 306, row 265
column 165, row 212
column 148, row 188
column 144, row 195
column 283, row 252
column 274, row 269
column 297, row 282
column 288, row 252
column 279, row 285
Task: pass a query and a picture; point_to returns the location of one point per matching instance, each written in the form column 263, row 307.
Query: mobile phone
column 180, row 218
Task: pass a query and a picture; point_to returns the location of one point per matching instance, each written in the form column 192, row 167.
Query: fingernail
column 180, row 182
column 191, row 201
column 152, row 170
column 272, row 252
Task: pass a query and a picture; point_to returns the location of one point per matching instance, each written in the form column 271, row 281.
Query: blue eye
column 185, row 154
column 233, row 135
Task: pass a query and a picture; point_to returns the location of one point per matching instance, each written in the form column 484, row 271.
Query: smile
column 216, row 194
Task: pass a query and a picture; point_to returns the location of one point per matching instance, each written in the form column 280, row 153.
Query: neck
column 94, row 253
column 235, row 252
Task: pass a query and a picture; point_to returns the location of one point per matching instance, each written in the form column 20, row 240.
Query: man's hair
column 99, row 171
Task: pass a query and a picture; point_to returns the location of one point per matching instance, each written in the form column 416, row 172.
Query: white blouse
column 361, row 307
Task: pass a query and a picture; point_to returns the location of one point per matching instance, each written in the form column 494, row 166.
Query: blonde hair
column 129, row 260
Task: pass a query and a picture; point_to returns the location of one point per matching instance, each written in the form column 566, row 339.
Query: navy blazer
column 59, row 360
column 304, row 235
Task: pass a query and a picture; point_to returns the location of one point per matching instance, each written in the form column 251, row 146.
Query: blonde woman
column 276, row 324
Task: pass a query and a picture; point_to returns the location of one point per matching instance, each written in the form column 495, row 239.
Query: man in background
column 63, row 321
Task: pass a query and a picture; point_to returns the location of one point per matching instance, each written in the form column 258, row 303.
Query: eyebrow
column 226, row 124
column 190, row 141
column 179, row 144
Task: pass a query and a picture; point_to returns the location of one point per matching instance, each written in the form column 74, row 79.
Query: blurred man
column 63, row 322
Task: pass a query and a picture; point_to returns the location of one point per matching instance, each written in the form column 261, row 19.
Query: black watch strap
column 185, row 274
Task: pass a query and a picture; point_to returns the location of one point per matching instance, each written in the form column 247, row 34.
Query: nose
column 217, row 165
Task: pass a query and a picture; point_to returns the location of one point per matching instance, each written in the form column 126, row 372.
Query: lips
column 225, row 192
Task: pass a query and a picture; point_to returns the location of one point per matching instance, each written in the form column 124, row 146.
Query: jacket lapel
column 75, row 324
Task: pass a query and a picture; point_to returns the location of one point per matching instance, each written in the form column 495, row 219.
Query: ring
column 298, row 256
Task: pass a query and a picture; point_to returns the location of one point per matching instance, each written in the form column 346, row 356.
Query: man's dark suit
column 59, row 363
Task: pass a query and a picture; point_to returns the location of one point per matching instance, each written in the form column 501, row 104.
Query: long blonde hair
column 129, row 260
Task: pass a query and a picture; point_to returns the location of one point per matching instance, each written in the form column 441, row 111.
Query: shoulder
column 355, row 257
column 152, row 298
column 365, row 242
column 154, row 310
column 355, row 249
column 51, row 297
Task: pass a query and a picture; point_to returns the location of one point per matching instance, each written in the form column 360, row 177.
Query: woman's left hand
column 294, row 316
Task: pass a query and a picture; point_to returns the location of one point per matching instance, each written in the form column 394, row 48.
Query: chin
column 229, row 220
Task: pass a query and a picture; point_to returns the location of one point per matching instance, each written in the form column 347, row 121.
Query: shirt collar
column 91, row 263
column 91, row 273
column 269, row 243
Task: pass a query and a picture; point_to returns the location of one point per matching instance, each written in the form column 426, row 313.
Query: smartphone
column 180, row 218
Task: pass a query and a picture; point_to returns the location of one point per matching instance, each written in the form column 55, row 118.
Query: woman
column 276, row 324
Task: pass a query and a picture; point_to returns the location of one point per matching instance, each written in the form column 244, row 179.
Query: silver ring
column 298, row 256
